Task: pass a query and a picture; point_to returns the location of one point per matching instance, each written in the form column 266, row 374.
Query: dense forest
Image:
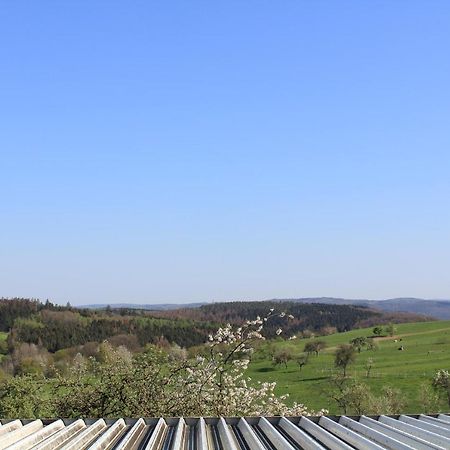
column 56, row 327
column 315, row 318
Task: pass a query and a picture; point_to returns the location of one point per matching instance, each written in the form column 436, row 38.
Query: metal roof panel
column 404, row 432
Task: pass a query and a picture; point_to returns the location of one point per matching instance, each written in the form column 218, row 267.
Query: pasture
column 426, row 349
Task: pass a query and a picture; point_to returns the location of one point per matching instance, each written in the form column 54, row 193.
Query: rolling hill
column 438, row 309
column 426, row 350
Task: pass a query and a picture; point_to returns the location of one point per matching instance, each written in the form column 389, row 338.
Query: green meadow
column 426, row 349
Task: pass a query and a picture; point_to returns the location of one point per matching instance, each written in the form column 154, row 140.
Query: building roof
column 404, row 432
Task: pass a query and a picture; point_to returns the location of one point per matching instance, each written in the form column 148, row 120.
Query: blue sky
column 195, row 151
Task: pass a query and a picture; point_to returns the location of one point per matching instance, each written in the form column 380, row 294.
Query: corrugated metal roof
column 404, row 432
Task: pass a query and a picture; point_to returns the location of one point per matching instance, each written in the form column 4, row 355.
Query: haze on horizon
column 192, row 151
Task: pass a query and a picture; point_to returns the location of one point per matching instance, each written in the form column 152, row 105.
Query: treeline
column 15, row 308
column 56, row 330
column 12, row 309
column 314, row 317
column 56, row 327
column 311, row 316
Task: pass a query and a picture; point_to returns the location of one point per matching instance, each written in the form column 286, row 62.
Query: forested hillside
column 56, row 327
column 310, row 318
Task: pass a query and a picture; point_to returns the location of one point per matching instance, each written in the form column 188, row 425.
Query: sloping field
column 426, row 349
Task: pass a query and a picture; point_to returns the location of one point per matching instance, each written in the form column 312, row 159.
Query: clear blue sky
column 199, row 150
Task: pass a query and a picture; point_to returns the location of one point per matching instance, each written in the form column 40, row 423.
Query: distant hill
column 438, row 309
column 318, row 318
column 149, row 307
column 57, row 327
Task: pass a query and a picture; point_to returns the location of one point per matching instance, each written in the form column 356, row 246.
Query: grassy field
column 426, row 349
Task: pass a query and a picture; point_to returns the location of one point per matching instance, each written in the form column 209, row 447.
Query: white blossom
column 217, row 385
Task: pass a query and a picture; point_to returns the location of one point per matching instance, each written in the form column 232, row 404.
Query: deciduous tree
column 343, row 357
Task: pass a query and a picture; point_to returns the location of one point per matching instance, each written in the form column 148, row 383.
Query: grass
column 426, row 349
